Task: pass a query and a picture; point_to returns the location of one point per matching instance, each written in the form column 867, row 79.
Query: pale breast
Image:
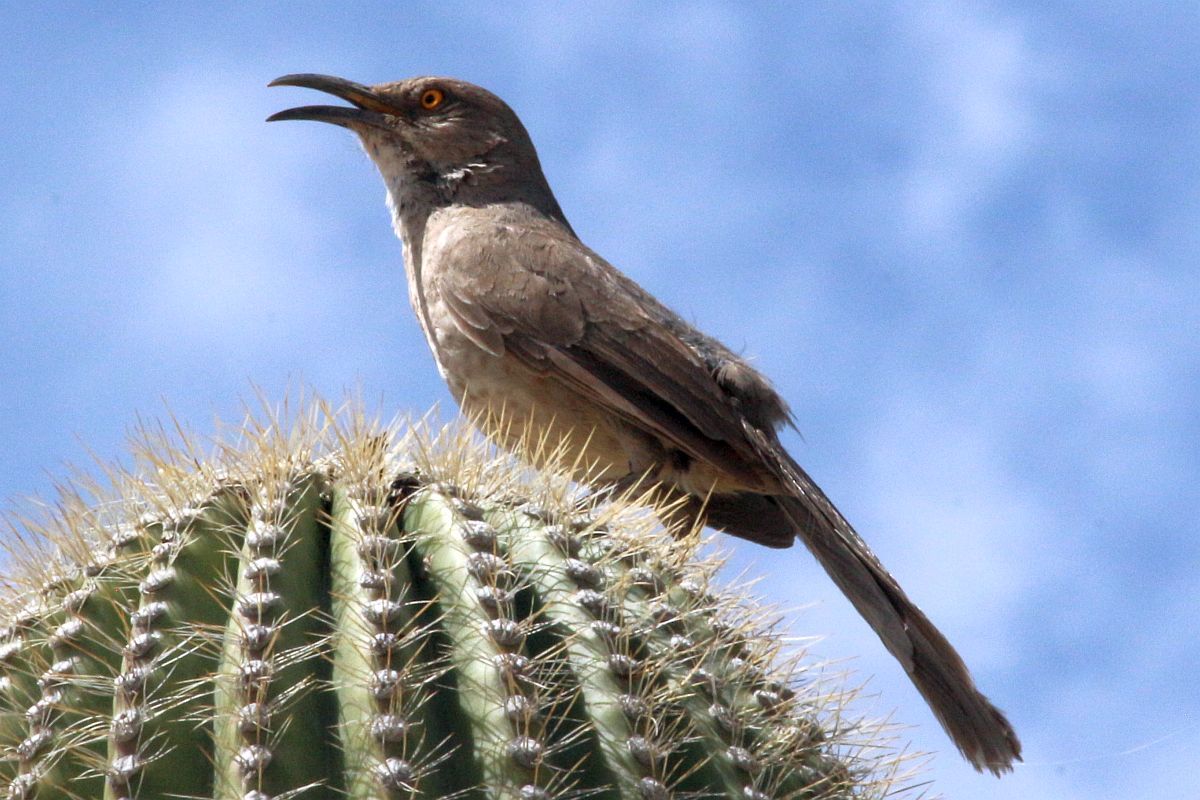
column 521, row 409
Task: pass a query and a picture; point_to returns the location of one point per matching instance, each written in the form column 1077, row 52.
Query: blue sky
column 961, row 238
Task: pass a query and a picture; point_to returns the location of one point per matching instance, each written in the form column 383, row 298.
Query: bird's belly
column 531, row 414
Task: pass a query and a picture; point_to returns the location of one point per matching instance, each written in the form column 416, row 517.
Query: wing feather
column 564, row 312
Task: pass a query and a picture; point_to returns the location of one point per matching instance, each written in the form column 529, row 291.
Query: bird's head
column 430, row 132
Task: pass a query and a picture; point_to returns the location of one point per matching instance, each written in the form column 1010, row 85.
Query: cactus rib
column 334, row 609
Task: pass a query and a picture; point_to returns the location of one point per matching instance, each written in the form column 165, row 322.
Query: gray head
column 436, row 140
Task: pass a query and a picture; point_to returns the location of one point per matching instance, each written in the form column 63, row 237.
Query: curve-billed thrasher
column 522, row 316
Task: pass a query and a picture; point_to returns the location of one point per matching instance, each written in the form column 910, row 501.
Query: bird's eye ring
column 432, row 98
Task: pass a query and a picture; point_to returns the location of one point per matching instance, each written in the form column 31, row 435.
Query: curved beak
column 368, row 109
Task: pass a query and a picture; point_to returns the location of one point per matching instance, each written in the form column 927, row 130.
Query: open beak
column 369, row 108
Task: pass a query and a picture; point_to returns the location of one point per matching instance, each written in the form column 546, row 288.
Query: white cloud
column 198, row 179
column 979, row 73
column 241, row 242
column 964, row 535
column 564, row 39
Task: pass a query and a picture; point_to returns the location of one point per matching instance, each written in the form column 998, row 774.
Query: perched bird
column 525, row 321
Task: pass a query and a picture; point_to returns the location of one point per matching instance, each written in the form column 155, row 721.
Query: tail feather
column 978, row 729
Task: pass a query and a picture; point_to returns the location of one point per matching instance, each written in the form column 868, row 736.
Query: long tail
column 980, row 730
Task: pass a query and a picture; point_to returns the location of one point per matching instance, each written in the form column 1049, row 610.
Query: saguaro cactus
column 330, row 609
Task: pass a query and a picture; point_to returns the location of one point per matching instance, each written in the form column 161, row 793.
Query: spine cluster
column 366, row 623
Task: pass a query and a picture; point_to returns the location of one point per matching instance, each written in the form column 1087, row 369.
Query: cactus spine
column 336, row 609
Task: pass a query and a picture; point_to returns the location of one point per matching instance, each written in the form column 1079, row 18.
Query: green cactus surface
column 324, row 607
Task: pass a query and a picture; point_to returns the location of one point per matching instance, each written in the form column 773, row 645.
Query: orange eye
column 432, row 98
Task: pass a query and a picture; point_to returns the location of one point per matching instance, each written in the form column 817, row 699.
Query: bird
column 526, row 321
